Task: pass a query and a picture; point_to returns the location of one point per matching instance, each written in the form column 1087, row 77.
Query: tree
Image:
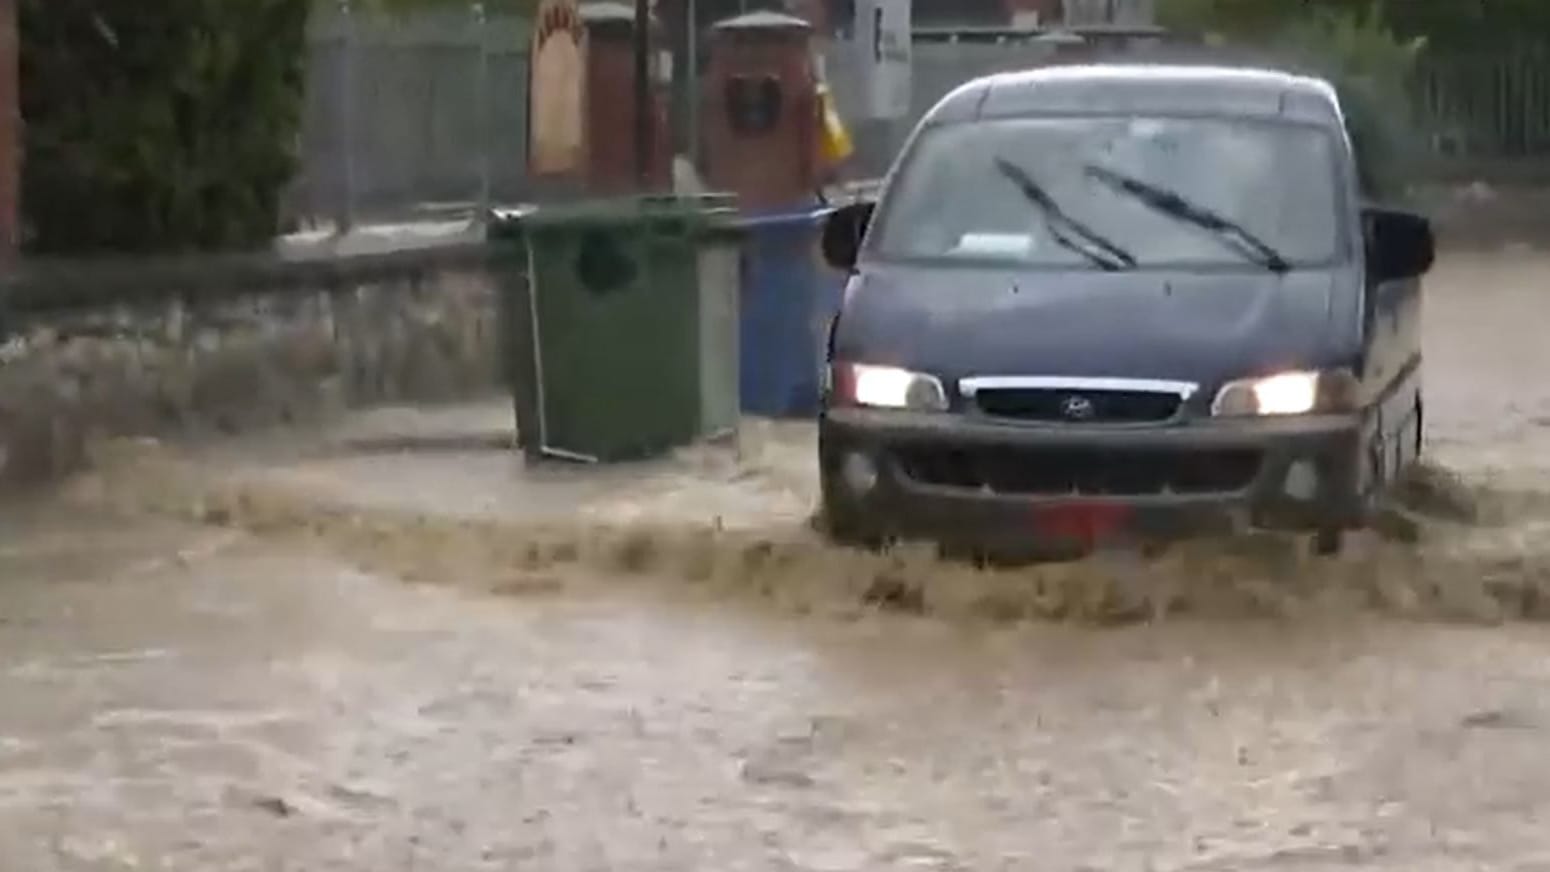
column 1237, row 18
column 1471, row 24
column 1371, row 67
column 524, row 8
column 1350, row 42
column 165, row 126
column 1446, row 24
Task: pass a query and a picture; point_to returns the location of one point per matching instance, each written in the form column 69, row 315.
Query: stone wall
column 230, row 344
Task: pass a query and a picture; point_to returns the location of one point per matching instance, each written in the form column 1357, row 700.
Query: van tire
column 839, row 525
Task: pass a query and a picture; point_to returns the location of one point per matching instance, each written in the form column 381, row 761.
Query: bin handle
column 602, row 264
column 673, row 228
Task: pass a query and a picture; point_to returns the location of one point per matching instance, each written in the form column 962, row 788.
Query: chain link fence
column 411, row 116
column 1484, row 107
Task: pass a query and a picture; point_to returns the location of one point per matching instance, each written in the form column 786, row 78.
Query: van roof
column 1141, row 87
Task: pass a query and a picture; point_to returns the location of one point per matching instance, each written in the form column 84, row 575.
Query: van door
column 1392, row 376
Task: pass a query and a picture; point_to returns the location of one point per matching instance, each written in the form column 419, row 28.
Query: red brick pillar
column 814, row 12
column 10, row 130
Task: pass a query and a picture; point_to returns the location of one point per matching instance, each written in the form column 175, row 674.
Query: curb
column 430, row 443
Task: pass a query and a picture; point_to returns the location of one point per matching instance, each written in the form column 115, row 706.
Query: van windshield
column 1118, row 193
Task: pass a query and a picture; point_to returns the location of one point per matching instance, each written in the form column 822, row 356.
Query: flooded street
column 254, row 686
column 1488, row 411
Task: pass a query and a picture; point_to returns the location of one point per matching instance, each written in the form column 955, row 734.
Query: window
column 961, row 193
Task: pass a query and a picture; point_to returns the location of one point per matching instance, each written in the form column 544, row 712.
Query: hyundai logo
column 1076, row 408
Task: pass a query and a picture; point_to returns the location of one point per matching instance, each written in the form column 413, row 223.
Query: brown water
column 237, row 677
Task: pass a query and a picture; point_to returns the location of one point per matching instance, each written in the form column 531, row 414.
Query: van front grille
column 1079, row 406
column 1081, row 471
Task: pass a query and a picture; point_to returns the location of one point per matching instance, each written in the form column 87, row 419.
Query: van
column 1122, row 302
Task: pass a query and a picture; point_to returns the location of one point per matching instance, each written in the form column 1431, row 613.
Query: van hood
column 1204, row 327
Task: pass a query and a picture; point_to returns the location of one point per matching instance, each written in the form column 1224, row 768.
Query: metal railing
column 1486, row 106
column 411, row 116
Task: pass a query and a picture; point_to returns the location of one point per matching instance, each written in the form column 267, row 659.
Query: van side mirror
column 1400, row 244
column 843, row 232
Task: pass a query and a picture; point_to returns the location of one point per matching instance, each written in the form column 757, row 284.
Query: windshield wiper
column 1112, row 258
column 1172, row 204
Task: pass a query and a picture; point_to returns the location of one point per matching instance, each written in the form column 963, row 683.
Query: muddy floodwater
column 258, row 684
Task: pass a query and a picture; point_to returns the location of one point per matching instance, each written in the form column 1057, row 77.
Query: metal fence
column 427, row 114
column 1487, row 106
column 411, row 115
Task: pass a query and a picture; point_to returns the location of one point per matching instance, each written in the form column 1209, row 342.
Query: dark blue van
column 1122, row 300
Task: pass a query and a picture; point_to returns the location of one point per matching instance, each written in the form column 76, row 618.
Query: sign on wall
column 882, row 34
column 555, row 90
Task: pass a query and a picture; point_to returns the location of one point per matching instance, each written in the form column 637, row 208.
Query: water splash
column 1455, row 550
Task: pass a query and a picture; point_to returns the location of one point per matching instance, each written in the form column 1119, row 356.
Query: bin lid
column 796, row 217
column 707, row 211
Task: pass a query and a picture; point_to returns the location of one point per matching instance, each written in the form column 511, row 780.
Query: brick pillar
column 814, row 12
column 10, row 131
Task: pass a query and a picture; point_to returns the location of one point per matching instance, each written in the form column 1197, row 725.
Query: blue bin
column 788, row 298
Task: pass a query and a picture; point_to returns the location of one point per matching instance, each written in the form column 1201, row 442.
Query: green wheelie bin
column 619, row 324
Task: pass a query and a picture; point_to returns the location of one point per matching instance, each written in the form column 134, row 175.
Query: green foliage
column 1236, row 18
column 1471, row 24
column 1350, row 42
column 166, row 126
column 523, row 8
column 1446, row 24
column 1371, row 68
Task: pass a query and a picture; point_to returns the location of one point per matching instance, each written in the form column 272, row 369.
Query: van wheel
column 847, row 534
column 1328, row 542
column 840, row 526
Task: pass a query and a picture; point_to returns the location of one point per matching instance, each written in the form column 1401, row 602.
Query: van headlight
column 886, row 387
column 1287, row 393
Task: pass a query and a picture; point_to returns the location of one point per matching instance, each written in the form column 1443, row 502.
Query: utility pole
column 643, row 126
column 10, row 132
column 344, row 203
column 482, row 86
column 691, row 73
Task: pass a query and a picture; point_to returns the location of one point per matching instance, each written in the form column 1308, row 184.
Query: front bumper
column 964, row 481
